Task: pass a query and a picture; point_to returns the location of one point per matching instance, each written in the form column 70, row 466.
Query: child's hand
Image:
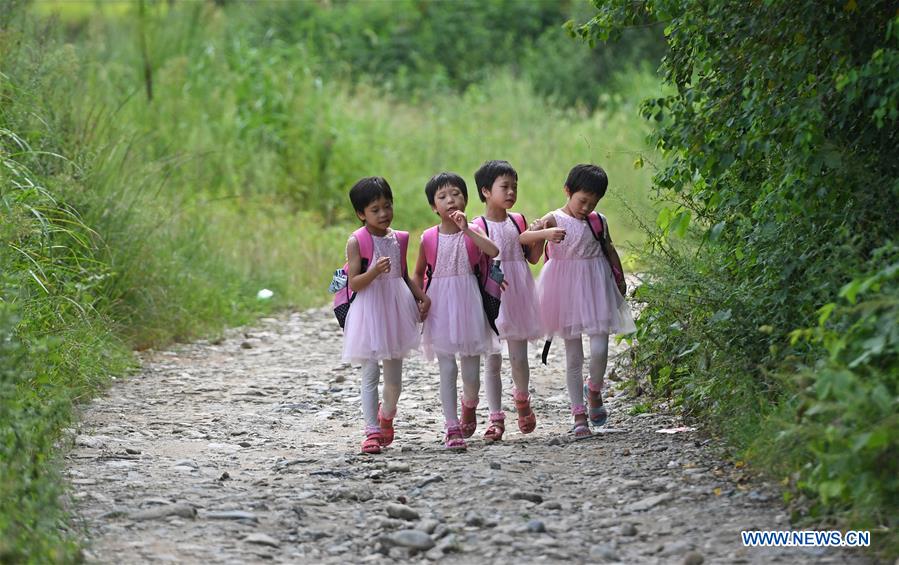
column 382, row 265
column 537, row 225
column 423, row 308
column 458, row 218
column 555, row 235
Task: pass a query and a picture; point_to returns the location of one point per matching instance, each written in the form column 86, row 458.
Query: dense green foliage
column 417, row 47
column 772, row 306
column 161, row 162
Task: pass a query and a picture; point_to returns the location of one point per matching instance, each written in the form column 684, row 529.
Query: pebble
column 604, row 552
column 648, row 502
column 262, row 539
column 428, row 526
column 472, row 519
column 401, row 511
column 430, row 480
column 628, row 530
column 398, row 467
column 694, row 558
column 414, row 539
column 536, row 526
column 529, row 496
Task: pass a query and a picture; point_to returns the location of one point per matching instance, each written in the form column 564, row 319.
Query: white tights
column 521, row 375
column 471, row 384
column 393, row 385
column 574, row 360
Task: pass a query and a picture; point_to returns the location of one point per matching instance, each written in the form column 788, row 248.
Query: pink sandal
column 454, row 441
column 526, row 424
column 469, row 420
column 372, row 443
column 386, row 424
column 580, row 430
column 497, row 427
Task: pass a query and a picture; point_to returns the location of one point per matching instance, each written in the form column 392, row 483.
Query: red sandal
column 468, row 423
column 527, row 422
column 386, row 424
column 454, row 441
column 372, row 443
column 497, row 427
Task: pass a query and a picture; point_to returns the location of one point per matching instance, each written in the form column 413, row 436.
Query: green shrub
column 781, row 186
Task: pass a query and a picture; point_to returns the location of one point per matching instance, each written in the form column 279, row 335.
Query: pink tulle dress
column 519, row 316
column 576, row 290
column 456, row 323
column 383, row 321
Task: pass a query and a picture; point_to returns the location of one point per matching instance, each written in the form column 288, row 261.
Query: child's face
column 378, row 214
column 580, row 203
column 503, row 193
column 448, row 198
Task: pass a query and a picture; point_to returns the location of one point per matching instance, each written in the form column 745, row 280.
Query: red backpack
column 343, row 296
column 486, row 271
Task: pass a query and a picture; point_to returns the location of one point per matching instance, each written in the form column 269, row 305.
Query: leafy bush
column 782, row 185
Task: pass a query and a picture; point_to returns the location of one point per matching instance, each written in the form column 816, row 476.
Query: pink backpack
column 340, row 286
column 486, row 271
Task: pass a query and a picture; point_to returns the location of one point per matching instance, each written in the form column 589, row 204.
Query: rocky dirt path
column 247, row 450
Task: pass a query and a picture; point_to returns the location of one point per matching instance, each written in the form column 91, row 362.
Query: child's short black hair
column 587, row 178
column 489, row 172
column 367, row 190
column 440, row 180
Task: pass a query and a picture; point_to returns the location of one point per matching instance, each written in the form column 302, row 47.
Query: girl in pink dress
column 578, row 292
column 456, row 322
column 383, row 320
column 519, row 319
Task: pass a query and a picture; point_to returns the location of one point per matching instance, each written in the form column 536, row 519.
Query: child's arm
column 358, row 280
column 480, row 240
column 541, row 231
column 418, row 274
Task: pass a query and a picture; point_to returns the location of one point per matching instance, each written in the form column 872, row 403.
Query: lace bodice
column 452, row 257
column 579, row 242
column 388, row 246
column 505, row 236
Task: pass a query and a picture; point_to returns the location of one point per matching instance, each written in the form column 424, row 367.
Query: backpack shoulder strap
column 403, row 238
column 429, row 245
column 429, row 241
column 596, row 225
column 366, row 246
column 519, row 221
column 474, row 254
column 605, row 229
column 481, row 221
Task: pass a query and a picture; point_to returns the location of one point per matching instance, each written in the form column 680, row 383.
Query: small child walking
column 519, row 318
column 456, row 323
column 382, row 324
column 578, row 292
